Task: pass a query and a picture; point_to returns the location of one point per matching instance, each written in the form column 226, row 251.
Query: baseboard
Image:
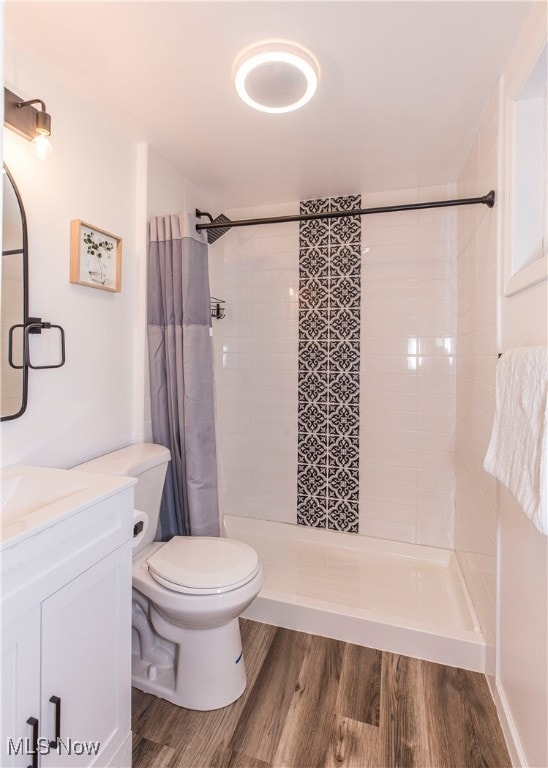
column 517, row 756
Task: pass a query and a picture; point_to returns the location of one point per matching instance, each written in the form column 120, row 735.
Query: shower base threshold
column 403, row 598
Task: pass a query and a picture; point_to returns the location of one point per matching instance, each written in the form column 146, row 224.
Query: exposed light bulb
column 41, row 147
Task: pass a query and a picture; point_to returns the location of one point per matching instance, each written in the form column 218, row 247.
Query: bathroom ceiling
column 401, row 92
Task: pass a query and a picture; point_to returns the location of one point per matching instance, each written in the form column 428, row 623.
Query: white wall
column 407, row 397
column 522, row 666
column 502, row 556
column 88, row 406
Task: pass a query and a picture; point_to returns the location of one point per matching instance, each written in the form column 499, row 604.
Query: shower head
column 214, row 233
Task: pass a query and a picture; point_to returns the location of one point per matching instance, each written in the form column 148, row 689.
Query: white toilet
column 187, row 596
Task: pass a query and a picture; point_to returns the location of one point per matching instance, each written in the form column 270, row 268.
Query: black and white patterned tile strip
column 329, row 366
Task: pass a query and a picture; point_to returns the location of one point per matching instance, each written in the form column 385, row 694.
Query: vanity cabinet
column 66, row 640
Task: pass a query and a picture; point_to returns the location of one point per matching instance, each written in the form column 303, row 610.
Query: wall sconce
column 34, row 124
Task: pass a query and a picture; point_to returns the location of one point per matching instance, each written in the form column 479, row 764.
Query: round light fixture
column 276, row 76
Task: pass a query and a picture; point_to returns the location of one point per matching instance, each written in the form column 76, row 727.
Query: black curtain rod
column 224, row 223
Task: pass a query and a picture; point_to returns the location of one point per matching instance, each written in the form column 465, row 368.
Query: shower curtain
column 181, row 375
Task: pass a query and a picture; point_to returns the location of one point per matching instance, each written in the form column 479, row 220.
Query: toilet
column 187, row 595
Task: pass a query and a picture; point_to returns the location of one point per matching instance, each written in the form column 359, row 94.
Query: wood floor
column 312, row 702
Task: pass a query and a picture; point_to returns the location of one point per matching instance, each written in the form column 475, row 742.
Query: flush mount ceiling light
column 276, row 76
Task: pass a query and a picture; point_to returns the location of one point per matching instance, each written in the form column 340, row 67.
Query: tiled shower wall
column 476, row 508
column 407, row 381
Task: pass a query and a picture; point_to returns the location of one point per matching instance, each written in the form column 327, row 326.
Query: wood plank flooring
column 312, row 702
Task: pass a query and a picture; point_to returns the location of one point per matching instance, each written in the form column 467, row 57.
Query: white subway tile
column 388, row 438
column 372, row 417
column 390, row 307
column 272, row 377
column 380, row 271
column 435, row 441
column 434, row 504
column 265, row 461
column 432, row 403
column 233, row 378
column 436, row 422
column 274, row 345
column 433, row 384
column 403, row 345
column 237, row 345
column 396, row 457
column 395, row 255
column 237, row 295
column 236, row 360
column 386, row 529
column 442, row 460
column 276, row 361
column 400, row 476
column 389, row 327
column 435, row 537
column 387, row 492
column 436, row 480
column 389, row 401
column 268, row 294
column 387, row 382
column 406, row 234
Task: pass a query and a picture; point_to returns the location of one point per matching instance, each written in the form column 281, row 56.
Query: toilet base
column 209, row 671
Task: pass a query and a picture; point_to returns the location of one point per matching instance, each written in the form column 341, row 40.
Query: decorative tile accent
column 314, row 233
column 347, row 229
column 314, row 262
column 344, row 451
column 321, row 205
column 329, row 366
column 313, row 325
column 344, row 419
column 312, row 417
column 312, row 511
column 344, row 292
column 312, row 480
column 344, row 324
column 344, row 356
column 314, row 294
column 313, row 355
column 343, row 516
column 313, row 386
column 344, row 388
column 312, row 449
column 343, row 483
column 346, row 261
column 348, row 203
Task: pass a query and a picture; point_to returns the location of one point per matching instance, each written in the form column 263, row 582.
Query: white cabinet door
column 86, row 634
column 20, row 688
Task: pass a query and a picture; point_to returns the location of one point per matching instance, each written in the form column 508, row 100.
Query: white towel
column 517, row 451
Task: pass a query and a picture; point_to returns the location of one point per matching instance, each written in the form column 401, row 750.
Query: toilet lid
column 203, row 564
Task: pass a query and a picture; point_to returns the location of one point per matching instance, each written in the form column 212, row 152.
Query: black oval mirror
column 14, row 302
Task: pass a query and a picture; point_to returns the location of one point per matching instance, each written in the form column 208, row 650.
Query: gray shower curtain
column 181, row 375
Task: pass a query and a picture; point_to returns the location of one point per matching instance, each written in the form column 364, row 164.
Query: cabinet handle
column 57, row 701
column 33, row 721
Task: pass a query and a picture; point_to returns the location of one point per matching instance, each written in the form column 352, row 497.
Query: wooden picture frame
column 95, row 257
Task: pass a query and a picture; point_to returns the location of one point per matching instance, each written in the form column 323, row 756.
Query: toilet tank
column 148, row 463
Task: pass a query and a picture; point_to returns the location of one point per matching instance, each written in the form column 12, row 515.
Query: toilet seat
column 203, row 565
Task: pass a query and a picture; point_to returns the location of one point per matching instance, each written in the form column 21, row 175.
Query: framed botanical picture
column 95, row 257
